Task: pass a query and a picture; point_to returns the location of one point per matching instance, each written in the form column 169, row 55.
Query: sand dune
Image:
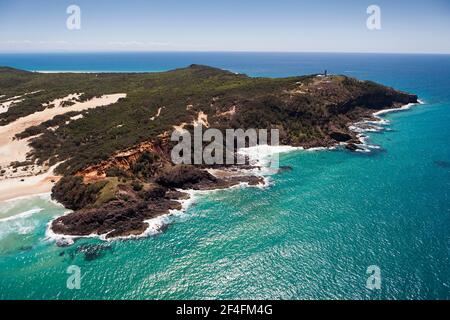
column 16, row 150
column 4, row 106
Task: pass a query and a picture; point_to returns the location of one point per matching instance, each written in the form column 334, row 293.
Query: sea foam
column 21, row 215
column 377, row 125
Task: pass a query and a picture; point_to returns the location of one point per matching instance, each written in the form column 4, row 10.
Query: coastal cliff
column 115, row 160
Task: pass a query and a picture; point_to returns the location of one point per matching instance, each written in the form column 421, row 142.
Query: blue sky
column 228, row 25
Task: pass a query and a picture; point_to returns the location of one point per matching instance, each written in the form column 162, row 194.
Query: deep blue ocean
column 311, row 235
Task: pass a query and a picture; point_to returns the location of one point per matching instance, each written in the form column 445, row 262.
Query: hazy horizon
column 415, row 26
column 222, row 51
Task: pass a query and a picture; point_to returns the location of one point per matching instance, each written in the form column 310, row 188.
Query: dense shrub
column 74, row 194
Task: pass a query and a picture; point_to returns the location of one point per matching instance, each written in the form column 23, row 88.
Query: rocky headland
column 115, row 161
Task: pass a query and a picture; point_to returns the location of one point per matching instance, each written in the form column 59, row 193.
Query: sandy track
column 28, row 186
column 17, row 150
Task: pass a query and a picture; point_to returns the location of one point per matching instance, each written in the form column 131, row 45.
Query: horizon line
column 219, row 51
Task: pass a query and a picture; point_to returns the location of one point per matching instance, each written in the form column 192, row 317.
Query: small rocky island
column 114, row 161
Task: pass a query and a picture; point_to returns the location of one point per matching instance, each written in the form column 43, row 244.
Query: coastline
column 41, row 184
column 35, row 179
column 377, row 124
column 126, row 213
column 256, row 154
column 328, row 206
column 156, row 225
column 15, row 188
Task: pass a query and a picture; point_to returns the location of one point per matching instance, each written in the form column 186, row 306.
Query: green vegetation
column 74, row 194
column 145, row 165
column 108, row 192
column 114, row 182
column 305, row 109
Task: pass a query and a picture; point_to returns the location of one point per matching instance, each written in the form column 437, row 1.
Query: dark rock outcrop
column 352, row 147
column 116, row 218
column 134, row 179
column 185, row 177
column 341, row 136
column 126, row 212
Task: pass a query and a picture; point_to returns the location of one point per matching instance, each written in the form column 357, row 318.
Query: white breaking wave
column 260, row 156
column 405, row 107
column 19, row 223
column 265, row 156
column 44, row 196
column 377, row 125
column 21, row 215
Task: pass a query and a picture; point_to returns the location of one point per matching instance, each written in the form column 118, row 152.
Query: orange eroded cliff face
column 123, row 160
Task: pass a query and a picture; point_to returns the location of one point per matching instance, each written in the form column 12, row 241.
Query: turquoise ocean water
column 311, row 235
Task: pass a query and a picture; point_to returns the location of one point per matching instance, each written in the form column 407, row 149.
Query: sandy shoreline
column 38, row 179
column 16, row 150
column 42, row 183
column 13, row 188
column 257, row 154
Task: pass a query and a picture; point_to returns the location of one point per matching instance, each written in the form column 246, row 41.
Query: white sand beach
column 37, row 180
column 27, row 186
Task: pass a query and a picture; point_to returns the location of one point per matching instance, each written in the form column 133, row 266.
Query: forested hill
column 114, row 157
column 309, row 110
